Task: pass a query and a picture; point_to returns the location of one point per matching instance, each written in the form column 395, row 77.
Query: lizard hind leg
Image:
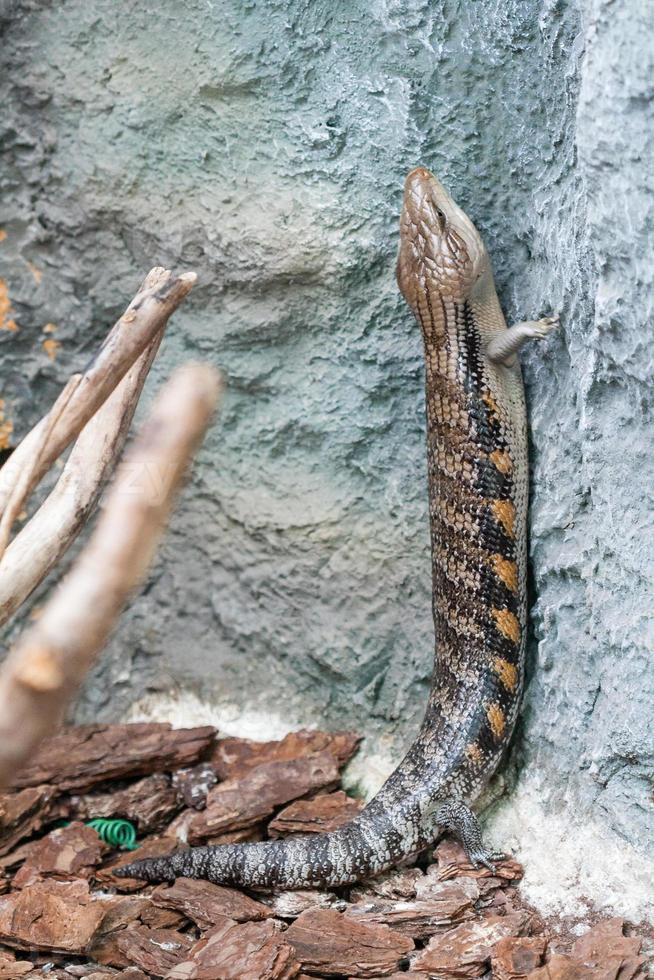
column 457, row 817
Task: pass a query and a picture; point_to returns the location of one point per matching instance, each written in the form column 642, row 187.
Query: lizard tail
column 402, row 819
column 362, row 847
column 181, row 864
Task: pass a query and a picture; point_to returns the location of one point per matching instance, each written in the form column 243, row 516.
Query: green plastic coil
column 116, row 833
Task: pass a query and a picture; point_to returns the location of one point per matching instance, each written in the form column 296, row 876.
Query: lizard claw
column 486, row 859
column 545, row 325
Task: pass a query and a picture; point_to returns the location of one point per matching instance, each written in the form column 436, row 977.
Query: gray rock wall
column 265, row 145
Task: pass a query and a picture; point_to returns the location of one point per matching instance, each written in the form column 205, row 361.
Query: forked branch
column 144, row 318
column 46, row 537
column 49, row 663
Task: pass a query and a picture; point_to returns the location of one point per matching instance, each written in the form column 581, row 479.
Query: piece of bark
column 192, row 785
column 234, row 757
column 604, row 941
column 155, row 951
column 66, row 853
column 242, row 802
column 514, row 958
column 57, row 916
column 396, row 883
column 23, row 814
column 17, row 856
column 243, row 836
column 290, row 904
column 123, row 910
column 84, row 756
column 88, row 969
column 420, row 918
column 434, row 878
column 53, row 974
column 157, row 847
column 149, row 803
column 11, row 968
column 410, row 975
column 157, row 918
column 466, row 950
column 240, row 951
column 453, row 863
column 206, row 904
column 318, row 815
column 135, row 910
column 108, row 973
column 329, row 943
column 561, row 967
column 606, row 952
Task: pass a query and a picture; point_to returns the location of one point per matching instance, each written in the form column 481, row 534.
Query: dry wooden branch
column 49, row 663
column 40, row 544
column 20, row 490
column 144, row 318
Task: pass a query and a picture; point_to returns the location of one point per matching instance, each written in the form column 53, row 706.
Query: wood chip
column 242, row 802
column 11, row 968
column 149, row 803
column 560, row 967
column 606, row 940
column 233, row 951
column 206, row 904
column 132, row 911
column 90, row 754
column 487, row 884
column 514, row 958
column 155, row 951
column 453, row 863
column 233, row 757
column 396, row 883
column 420, row 918
column 155, row 917
column 290, row 904
column 17, row 856
column 318, row 815
column 606, row 952
column 466, row 950
column 23, row 814
column 65, row 853
column 332, row 944
column 59, row 917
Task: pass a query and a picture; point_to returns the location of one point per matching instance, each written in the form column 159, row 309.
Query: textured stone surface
column 265, row 145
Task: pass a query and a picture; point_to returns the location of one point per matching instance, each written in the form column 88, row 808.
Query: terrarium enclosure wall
column 264, row 145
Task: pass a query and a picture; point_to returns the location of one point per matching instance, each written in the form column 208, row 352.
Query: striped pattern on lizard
column 477, row 474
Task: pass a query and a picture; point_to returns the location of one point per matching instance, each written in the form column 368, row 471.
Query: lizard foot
column 541, row 328
column 485, row 859
column 458, row 818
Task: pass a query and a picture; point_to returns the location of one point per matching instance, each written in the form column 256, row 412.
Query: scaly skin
column 477, row 456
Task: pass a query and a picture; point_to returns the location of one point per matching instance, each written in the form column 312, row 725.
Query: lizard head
column 440, row 248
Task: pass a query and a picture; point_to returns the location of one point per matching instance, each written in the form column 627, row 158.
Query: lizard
column 478, row 484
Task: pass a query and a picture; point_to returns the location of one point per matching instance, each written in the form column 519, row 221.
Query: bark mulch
column 63, row 914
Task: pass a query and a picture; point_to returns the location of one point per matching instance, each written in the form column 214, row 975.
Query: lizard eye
column 441, row 217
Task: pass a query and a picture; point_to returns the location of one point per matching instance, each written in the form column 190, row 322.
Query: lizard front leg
column 504, row 346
